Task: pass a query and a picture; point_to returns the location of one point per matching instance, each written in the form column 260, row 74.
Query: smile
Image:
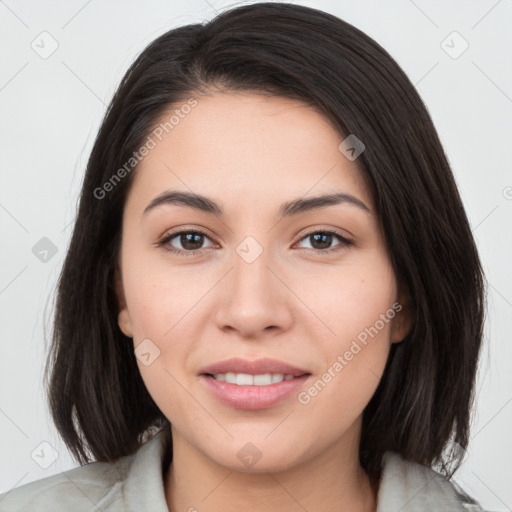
column 246, row 379
column 253, row 392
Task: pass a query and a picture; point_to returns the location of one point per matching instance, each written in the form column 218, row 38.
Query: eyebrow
column 287, row 209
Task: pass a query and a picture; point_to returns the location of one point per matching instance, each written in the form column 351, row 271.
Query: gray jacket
column 135, row 483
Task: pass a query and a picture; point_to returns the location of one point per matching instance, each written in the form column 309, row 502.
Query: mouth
column 252, row 385
column 244, row 369
column 246, row 379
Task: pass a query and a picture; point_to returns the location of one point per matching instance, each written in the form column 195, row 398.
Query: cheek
column 162, row 317
column 353, row 367
column 357, row 316
column 160, row 295
column 346, row 299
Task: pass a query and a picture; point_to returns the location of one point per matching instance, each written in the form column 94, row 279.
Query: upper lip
column 254, row 367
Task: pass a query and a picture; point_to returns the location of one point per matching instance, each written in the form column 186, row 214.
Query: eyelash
column 344, row 242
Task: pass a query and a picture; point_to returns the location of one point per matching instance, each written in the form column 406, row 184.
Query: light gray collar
column 410, row 487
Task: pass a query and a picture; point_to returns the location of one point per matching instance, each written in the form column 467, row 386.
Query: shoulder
column 133, row 482
column 409, row 486
column 96, row 483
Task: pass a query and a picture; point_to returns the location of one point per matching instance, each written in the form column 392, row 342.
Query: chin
column 254, row 458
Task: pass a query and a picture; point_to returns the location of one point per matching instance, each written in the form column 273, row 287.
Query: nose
column 254, row 300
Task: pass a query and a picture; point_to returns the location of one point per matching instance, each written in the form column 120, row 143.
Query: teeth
column 262, row 380
column 245, row 379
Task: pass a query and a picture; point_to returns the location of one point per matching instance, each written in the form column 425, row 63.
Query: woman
column 272, row 299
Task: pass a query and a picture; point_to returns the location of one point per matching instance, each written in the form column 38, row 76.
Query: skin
column 251, row 153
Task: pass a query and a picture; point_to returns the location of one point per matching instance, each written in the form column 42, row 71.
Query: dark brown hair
column 97, row 397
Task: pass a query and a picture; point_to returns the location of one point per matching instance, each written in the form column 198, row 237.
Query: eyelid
column 343, row 233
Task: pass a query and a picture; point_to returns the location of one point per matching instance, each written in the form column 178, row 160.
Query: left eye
column 192, row 241
column 325, row 238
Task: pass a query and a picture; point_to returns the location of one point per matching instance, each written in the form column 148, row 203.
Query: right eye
column 190, row 240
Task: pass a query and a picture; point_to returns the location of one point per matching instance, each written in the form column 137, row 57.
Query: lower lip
column 253, row 397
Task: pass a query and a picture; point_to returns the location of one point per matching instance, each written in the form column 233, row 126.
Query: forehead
column 249, row 149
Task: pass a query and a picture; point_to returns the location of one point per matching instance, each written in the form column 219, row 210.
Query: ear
column 402, row 322
column 123, row 319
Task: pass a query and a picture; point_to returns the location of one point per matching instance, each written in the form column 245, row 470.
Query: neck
column 333, row 480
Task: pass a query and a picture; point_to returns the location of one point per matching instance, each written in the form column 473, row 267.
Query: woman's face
column 265, row 281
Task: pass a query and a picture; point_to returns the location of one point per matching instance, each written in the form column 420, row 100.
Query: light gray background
column 51, row 109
